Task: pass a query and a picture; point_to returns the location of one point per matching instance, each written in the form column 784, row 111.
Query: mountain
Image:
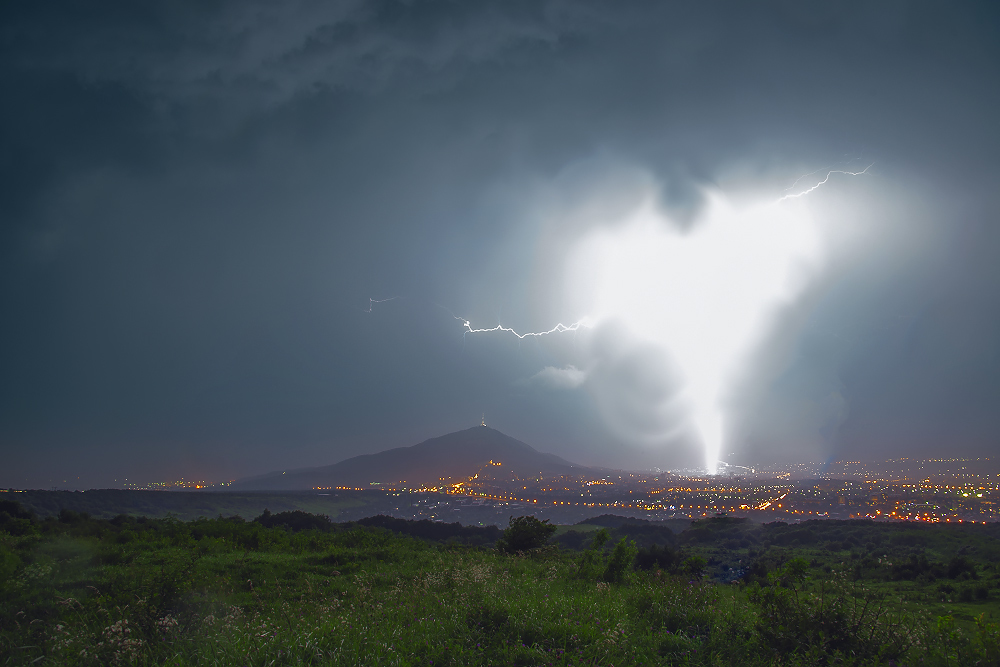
column 456, row 456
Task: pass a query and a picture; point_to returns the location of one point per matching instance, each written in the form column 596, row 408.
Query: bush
column 959, row 566
column 295, row 520
column 592, row 561
column 15, row 520
column 433, row 530
column 524, row 533
column 695, row 566
column 839, row 618
column 794, row 572
column 620, row 562
column 572, row 539
column 666, row 558
column 69, row 516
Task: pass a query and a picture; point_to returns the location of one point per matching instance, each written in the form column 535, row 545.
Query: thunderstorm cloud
column 204, row 206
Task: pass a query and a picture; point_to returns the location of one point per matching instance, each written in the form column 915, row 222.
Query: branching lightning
column 588, row 322
column 830, row 173
column 715, row 288
column 559, row 328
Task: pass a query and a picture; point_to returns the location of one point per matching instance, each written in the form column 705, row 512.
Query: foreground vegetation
column 289, row 589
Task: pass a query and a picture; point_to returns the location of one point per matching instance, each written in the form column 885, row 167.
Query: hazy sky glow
column 236, row 238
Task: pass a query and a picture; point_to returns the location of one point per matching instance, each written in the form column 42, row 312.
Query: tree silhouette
column 524, row 533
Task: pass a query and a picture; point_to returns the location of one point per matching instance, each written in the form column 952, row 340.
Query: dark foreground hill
column 295, row 588
column 339, row 505
column 454, row 456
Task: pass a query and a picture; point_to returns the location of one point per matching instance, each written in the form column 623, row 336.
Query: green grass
column 226, row 592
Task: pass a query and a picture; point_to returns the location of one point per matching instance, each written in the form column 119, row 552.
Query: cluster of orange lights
column 746, row 498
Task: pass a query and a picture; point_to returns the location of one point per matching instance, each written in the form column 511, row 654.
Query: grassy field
column 294, row 590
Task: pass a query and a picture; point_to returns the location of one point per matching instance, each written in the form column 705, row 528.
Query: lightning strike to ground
column 708, row 417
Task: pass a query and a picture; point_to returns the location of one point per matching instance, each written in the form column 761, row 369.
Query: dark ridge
column 645, row 533
column 613, row 521
column 295, row 520
column 183, row 505
column 435, row 531
column 424, row 529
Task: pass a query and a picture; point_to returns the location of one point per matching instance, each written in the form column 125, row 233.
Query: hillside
column 454, row 456
column 294, row 588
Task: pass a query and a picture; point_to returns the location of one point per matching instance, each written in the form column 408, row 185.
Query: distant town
column 928, row 490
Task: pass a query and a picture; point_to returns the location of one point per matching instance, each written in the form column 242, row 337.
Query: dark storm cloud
column 199, row 202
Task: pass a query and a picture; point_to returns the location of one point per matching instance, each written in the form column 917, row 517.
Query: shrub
column 592, row 560
column 794, row 572
column 15, row 520
column 524, row 533
column 572, row 539
column 666, row 558
column 69, row 516
column 959, row 566
column 695, row 566
column 620, row 561
column 839, row 618
column 600, row 537
column 434, row 530
column 490, row 621
column 295, row 520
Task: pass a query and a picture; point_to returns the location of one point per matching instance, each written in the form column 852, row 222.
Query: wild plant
column 835, row 618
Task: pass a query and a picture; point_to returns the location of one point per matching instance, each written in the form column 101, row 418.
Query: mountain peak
column 451, row 457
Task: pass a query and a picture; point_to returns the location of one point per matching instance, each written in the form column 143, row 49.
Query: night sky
column 237, row 237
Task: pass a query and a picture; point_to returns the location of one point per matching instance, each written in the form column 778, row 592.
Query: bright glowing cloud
column 705, row 296
column 569, row 377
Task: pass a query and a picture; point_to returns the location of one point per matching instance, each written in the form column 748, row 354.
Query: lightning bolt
column 705, row 374
column 372, row 302
column 830, row 173
column 588, row 322
column 559, row 328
